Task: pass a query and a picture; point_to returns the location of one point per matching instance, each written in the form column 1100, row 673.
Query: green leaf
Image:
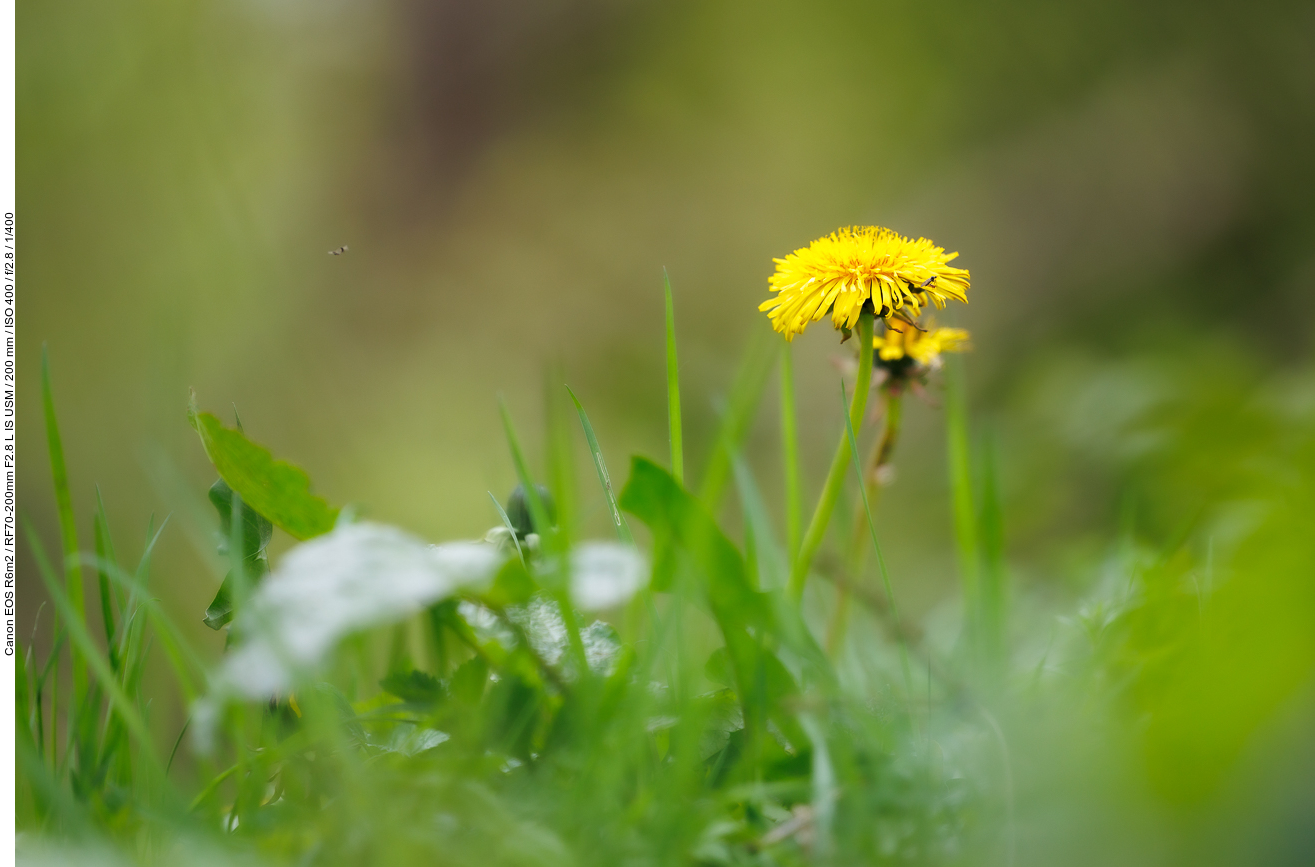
column 657, row 499
column 414, row 686
column 273, row 488
column 467, row 685
column 252, row 539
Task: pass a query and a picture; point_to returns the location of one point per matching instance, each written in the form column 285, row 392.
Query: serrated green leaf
column 276, row 489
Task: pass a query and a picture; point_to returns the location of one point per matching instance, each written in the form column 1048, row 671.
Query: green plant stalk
column 794, row 518
column 67, row 524
column 870, row 490
column 622, row 528
column 881, row 562
column 835, row 478
column 560, row 457
column 961, row 487
column 673, row 391
column 994, row 575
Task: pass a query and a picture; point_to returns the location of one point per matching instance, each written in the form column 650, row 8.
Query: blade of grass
column 876, row 546
column 994, row 584
column 619, row 521
column 105, row 554
column 772, row 566
column 506, row 522
column 790, row 453
column 181, row 655
column 132, row 633
column 102, row 516
column 67, row 523
column 561, row 458
column 186, row 723
column 961, row 487
column 54, row 707
column 673, row 389
column 746, row 391
column 77, row 632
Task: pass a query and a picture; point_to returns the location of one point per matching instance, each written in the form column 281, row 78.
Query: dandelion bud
column 518, row 510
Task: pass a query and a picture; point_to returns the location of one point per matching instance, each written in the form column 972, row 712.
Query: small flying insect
column 339, row 251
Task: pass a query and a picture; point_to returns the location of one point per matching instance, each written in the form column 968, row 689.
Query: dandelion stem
column 878, row 460
column 835, row 478
column 794, row 518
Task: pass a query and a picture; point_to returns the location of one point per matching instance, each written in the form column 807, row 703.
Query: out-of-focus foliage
column 1130, row 184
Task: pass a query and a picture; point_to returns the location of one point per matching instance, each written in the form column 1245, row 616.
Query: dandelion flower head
column 846, row 269
column 923, row 347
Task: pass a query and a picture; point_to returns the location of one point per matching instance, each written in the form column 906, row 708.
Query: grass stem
column 794, row 518
column 673, row 390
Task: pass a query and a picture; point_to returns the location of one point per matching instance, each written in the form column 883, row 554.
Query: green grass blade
column 23, row 690
column 746, row 392
column 188, row 667
column 772, row 567
column 105, row 554
column 506, row 522
column 561, row 457
column 120, row 597
column 673, row 390
column 67, row 522
column 618, row 520
column 961, row 487
column 995, row 577
column 794, row 516
column 538, row 509
column 79, row 638
column 876, row 543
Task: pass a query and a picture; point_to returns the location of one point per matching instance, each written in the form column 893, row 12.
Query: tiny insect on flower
column 858, row 267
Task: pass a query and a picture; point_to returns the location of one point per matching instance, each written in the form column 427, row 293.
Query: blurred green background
column 1130, row 183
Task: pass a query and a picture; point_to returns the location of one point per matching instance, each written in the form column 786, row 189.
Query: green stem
column 965, row 512
column 882, row 451
column 794, row 518
column 881, row 562
column 673, row 391
column 835, row 478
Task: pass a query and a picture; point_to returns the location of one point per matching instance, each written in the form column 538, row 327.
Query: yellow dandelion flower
column 924, row 347
column 851, row 266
